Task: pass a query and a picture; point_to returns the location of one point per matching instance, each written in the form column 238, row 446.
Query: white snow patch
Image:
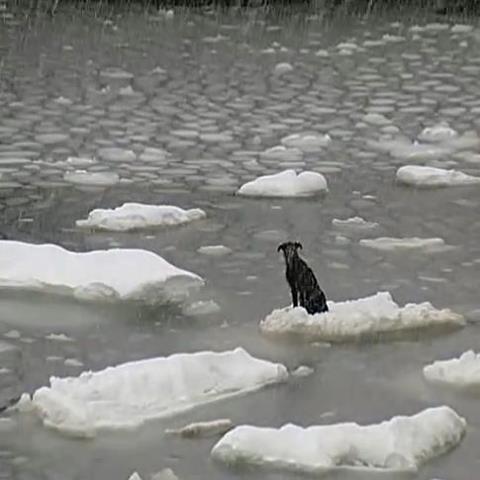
column 462, row 372
column 128, row 395
column 392, row 244
column 306, row 142
column 214, row 250
column 364, row 317
column 420, row 176
column 286, row 184
column 203, row 429
column 403, row 443
column 133, row 216
column 95, row 179
column 126, row 274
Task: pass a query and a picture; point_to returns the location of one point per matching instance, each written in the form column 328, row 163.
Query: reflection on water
column 183, row 111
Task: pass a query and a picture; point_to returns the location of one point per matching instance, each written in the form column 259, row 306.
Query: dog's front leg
column 294, row 296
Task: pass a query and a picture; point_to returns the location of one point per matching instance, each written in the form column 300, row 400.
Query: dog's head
column 289, row 249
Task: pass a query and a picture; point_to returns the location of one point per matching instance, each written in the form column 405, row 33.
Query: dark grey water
column 203, row 87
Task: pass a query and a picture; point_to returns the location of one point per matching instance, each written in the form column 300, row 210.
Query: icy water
column 205, row 88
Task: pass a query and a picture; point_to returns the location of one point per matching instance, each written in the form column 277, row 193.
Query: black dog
column 302, row 281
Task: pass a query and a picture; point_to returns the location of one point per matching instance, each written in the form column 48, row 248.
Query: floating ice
column 403, row 443
column 281, row 68
column 113, row 154
column 127, row 274
column 462, row 372
column 203, row 429
column 362, row 318
column 392, row 244
column 128, row 395
column 420, row 176
column 404, row 149
column 165, row 474
column 51, row 138
column 286, row 184
column 214, row 250
column 307, row 142
column 133, row 216
column 354, row 223
column 94, row 179
column 81, row 161
column 461, row 28
column 280, row 152
column 115, row 73
column 376, row 119
column 201, row 307
column 302, row 371
column 438, row 133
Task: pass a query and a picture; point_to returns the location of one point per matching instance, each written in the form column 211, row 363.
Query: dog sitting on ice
column 301, row 279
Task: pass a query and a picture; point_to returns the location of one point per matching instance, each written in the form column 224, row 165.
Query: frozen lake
column 97, row 111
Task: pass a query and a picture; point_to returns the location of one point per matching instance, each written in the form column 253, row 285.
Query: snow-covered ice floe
column 133, row 216
column 403, row 444
column 285, row 184
column 115, row 274
column 392, row 244
column 366, row 318
column 203, row 429
column 462, row 372
column 420, row 176
column 128, row 395
column 354, row 223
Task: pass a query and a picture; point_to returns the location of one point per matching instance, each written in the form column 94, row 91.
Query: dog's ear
column 281, row 247
column 298, row 245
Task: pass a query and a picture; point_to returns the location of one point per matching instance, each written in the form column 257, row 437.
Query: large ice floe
column 462, row 372
column 401, row 444
column 393, row 244
column 363, row 318
column 128, row 395
column 115, row 274
column 134, row 216
column 427, row 177
column 285, row 184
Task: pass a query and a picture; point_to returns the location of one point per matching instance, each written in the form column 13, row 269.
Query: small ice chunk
column 73, row 362
column 403, row 443
column 286, row 184
column 81, row 162
column 352, row 319
column 201, row 307
column 462, row 372
column 302, row 371
column 354, row 223
column 281, row 68
column 203, row 429
column 392, row 244
column 59, row 337
column 214, row 250
column 135, row 476
column 281, row 152
column 94, row 179
column 120, row 155
column 438, row 133
column 130, row 394
column 12, row 334
column 307, row 142
column 376, row 119
column 461, row 28
column 134, row 216
column 427, row 177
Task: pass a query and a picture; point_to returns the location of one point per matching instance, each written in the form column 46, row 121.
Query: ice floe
column 200, row 308
column 281, row 68
column 354, row 223
column 114, row 154
column 214, row 250
column 94, row 179
column 462, row 372
column 126, row 274
column 134, row 216
column 285, row 184
column 356, row 319
column 392, row 244
column 403, row 443
column 307, row 142
column 128, row 395
column 421, row 176
column 438, row 133
column 203, row 429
